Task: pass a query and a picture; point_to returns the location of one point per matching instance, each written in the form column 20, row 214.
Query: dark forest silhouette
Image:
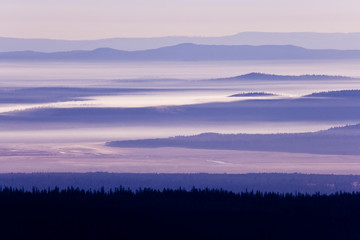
column 176, row 214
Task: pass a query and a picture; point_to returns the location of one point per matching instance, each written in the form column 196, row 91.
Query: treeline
column 176, row 214
column 264, row 182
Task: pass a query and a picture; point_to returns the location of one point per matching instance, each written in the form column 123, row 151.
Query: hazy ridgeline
column 188, row 52
column 348, row 41
column 176, row 214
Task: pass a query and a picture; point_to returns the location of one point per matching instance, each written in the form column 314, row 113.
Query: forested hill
column 275, row 77
column 341, row 141
column 336, row 94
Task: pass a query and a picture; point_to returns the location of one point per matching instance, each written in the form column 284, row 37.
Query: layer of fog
column 32, row 73
column 162, row 84
column 62, row 133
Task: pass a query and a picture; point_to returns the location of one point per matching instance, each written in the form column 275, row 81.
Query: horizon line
column 171, row 36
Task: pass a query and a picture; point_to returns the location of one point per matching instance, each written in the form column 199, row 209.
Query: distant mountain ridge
column 188, row 52
column 342, row 41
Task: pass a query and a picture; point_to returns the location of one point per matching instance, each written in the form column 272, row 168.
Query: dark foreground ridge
column 176, row 214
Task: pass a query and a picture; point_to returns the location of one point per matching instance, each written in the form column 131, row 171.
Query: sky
column 95, row 19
